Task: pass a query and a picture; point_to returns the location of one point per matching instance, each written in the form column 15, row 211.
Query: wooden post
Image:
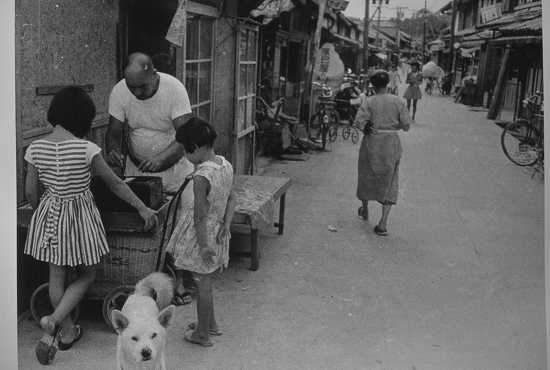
column 366, row 37
column 315, row 50
column 452, row 47
column 481, row 74
column 499, row 88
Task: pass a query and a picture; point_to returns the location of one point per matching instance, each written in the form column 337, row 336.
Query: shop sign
column 489, row 13
column 337, row 5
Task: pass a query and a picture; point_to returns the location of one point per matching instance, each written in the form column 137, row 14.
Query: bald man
column 153, row 105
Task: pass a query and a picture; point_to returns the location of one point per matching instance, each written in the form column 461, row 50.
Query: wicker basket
column 133, row 255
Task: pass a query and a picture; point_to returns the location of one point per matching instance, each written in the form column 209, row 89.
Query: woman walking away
column 200, row 242
column 380, row 116
column 414, row 79
column 65, row 229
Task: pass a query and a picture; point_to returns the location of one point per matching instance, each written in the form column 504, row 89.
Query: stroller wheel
column 346, row 131
column 355, row 136
column 40, row 304
column 115, row 299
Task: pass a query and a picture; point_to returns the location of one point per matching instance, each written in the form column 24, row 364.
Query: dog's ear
column 165, row 316
column 119, row 321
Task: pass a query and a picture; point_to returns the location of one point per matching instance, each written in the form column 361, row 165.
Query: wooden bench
column 255, row 198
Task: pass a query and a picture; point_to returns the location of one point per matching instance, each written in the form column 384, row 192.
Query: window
column 199, row 62
column 246, row 77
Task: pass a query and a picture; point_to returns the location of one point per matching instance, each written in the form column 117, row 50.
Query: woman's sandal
column 46, row 350
column 66, row 346
column 379, row 231
column 216, row 333
column 191, row 339
column 362, row 214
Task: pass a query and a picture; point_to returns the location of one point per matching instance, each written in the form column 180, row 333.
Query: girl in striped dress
column 66, row 229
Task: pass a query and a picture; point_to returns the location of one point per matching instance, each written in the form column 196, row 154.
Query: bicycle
column 277, row 128
column 323, row 124
column 523, row 140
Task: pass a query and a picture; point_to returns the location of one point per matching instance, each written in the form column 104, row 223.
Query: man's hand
column 154, row 164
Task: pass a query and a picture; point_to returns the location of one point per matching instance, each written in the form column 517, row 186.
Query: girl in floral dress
column 66, row 229
column 200, row 242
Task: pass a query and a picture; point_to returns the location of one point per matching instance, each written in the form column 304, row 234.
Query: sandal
column 191, row 339
column 216, row 333
column 182, row 299
column 379, row 231
column 66, row 346
column 46, row 350
column 362, row 214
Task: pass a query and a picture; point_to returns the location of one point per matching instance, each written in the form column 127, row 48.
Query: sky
column 356, row 8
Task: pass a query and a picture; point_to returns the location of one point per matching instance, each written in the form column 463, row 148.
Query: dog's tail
column 157, row 285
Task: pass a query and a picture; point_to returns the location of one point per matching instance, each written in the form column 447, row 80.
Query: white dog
column 142, row 322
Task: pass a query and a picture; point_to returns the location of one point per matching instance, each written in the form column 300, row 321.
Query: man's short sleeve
column 116, row 102
column 181, row 104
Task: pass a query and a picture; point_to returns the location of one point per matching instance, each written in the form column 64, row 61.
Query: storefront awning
column 271, row 9
column 347, row 40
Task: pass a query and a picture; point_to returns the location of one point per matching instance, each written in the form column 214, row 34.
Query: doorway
column 144, row 25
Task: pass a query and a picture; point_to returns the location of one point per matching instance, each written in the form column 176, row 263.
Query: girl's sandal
column 191, row 338
column 213, row 332
column 182, row 299
column 362, row 214
column 47, row 348
column 66, row 346
column 379, row 231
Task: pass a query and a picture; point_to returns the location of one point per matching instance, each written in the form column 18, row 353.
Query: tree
column 435, row 24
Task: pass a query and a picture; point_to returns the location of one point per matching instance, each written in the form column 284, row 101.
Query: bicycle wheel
column 333, row 133
column 314, row 127
column 355, row 136
column 519, row 142
column 346, row 131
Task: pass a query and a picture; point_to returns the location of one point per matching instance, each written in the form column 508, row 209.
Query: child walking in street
column 200, row 242
column 414, row 79
column 66, row 229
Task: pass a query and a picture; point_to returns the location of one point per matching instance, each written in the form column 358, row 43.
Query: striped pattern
column 66, row 228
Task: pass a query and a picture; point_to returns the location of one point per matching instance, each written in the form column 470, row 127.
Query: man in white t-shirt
column 153, row 105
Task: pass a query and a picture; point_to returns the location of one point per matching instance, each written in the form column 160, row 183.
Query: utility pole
column 366, row 37
column 378, row 24
column 451, row 64
column 400, row 12
column 424, row 32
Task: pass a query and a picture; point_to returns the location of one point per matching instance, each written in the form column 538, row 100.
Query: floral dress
column 183, row 244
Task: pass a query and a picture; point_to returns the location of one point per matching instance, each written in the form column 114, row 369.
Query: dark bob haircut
column 72, row 109
column 380, row 79
column 196, row 133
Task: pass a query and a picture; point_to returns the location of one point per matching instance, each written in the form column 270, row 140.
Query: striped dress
column 66, row 228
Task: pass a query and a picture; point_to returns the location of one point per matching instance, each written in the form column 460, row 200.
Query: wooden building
column 86, row 43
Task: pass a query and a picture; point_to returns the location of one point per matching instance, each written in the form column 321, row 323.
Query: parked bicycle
column 523, row 140
column 323, row 125
column 277, row 131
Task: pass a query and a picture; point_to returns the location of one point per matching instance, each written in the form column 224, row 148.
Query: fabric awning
column 271, row 9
